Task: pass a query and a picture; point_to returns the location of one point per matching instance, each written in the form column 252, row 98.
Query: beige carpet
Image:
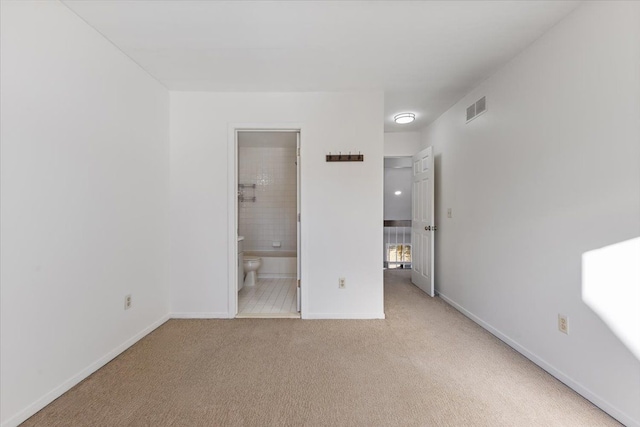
column 425, row 365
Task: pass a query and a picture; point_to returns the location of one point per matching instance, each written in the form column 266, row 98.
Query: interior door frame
column 232, row 204
column 298, row 227
column 410, row 166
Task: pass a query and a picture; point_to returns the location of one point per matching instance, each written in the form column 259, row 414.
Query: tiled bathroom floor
column 270, row 297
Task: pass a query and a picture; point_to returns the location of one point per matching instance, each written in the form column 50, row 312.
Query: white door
column 422, row 222
column 299, row 247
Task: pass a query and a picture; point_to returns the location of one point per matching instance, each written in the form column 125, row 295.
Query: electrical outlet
column 342, row 283
column 563, row 324
column 127, row 302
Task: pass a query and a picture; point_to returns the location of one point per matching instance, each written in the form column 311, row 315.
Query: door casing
column 232, row 203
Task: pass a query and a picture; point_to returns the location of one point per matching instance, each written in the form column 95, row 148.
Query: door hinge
column 298, row 151
column 298, row 282
column 298, row 217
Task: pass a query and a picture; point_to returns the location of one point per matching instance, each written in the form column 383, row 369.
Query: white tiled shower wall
column 272, row 217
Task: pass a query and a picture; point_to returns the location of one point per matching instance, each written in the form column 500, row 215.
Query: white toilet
column 251, row 266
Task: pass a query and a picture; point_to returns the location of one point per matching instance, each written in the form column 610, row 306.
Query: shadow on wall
column 611, row 288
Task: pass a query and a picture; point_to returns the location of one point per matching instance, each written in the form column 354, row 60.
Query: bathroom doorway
column 268, row 226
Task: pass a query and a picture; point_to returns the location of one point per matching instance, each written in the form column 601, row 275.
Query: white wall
column 549, row 173
column 84, row 203
column 399, row 144
column 338, row 199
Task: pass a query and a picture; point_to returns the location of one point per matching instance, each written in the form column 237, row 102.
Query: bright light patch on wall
column 611, row 288
column 397, row 193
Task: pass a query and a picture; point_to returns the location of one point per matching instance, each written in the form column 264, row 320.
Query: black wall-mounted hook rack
column 345, row 157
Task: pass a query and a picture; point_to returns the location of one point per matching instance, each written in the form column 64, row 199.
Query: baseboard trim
column 268, row 316
column 557, row 373
column 201, row 315
column 350, row 316
column 319, row 316
column 276, row 276
column 30, row 410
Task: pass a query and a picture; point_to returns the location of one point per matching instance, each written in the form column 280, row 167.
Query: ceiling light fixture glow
column 404, row 118
column 397, row 193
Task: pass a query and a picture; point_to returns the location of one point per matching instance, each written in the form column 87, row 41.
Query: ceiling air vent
column 477, row 108
column 471, row 112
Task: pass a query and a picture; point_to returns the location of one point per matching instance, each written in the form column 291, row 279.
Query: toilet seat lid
column 251, row 258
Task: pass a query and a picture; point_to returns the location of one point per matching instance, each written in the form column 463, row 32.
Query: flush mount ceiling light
column 404, row 118
column 397, row 193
